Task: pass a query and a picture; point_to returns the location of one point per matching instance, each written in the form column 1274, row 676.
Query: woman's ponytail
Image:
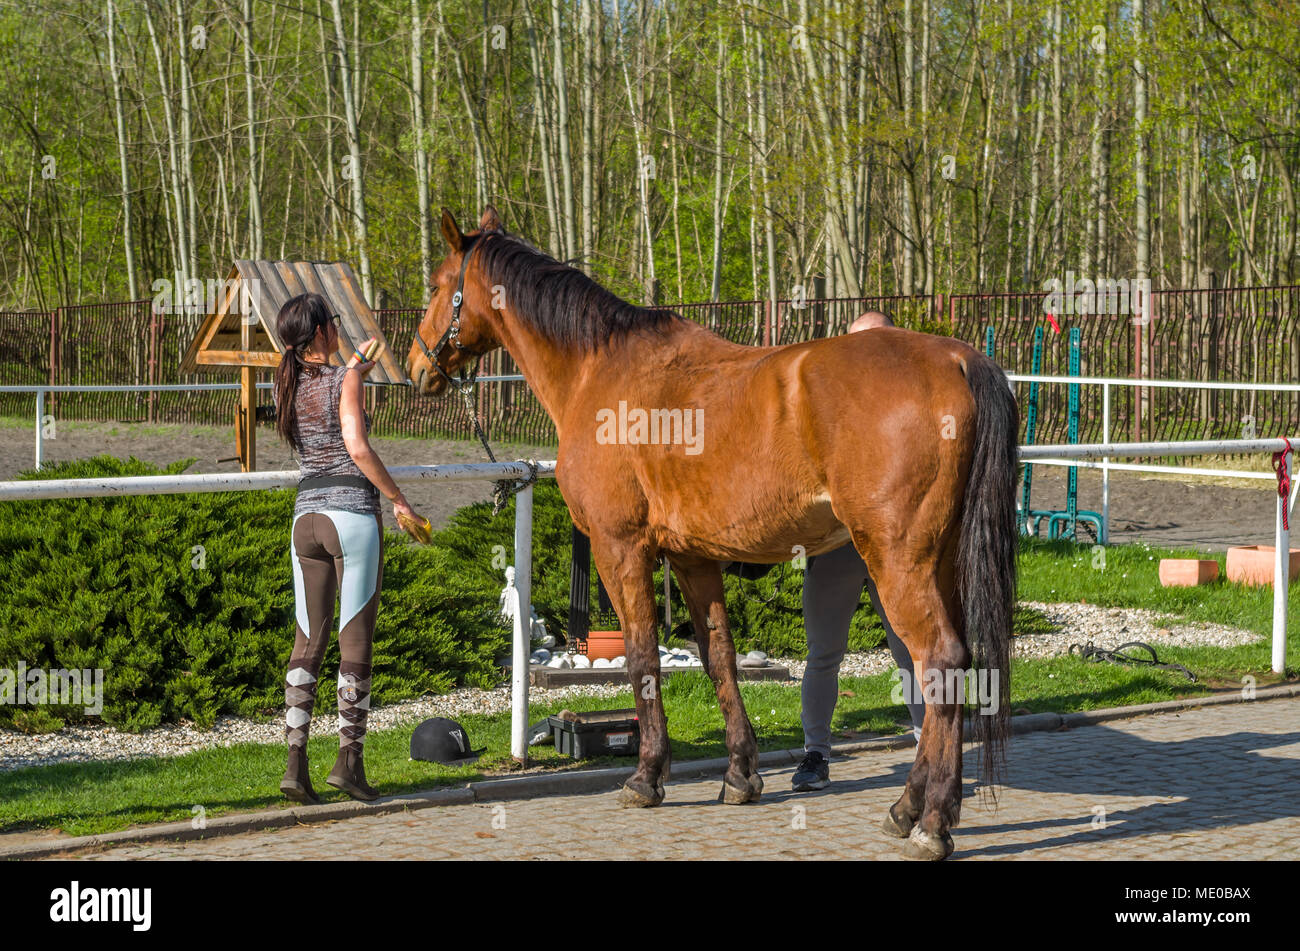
column 296, row 325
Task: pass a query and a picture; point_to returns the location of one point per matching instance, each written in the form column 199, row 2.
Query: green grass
column 1128, row 576
column 102, row 797
column 83, row 799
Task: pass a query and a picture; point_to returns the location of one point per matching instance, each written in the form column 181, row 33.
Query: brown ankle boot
column 349, row 774
column 296, row 783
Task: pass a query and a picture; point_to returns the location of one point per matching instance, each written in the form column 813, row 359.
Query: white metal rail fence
column 1169, row 448
column 41, row 390
column 288, row 478
column 1079, row 454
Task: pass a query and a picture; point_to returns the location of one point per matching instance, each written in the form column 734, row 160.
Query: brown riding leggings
column 334, row 553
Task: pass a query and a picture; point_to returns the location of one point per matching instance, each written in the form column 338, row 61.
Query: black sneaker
column 813, row 773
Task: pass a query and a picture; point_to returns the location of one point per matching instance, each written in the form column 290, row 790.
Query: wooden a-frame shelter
column 240, row 330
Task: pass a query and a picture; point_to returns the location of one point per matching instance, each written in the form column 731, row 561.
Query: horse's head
column 456, row 328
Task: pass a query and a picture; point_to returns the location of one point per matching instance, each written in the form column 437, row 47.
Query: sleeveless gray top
column 322, row 452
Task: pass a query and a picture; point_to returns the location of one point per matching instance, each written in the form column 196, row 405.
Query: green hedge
column 189, row 632
column 184, row 631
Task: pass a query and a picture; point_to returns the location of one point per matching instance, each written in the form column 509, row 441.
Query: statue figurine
column 507, row 602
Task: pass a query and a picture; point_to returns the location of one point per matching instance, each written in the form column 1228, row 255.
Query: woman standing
column 336, row 540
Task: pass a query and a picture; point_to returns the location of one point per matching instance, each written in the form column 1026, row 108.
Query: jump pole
column 523, row 625
column 40, row 420
column 1281, row 568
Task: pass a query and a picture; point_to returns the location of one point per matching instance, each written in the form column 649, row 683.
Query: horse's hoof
column 897, row 826
column 736, row 795
column 755, row 786
column 923, row 846
column 639, row 795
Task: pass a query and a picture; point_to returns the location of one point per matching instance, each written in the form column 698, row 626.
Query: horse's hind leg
column 628, row 571
column 701, row 583
column 903, row 814
column 922, row 617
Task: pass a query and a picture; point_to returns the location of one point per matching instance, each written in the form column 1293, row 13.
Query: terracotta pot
column 1253, row 564
column 1187, row 572
column 606, row 644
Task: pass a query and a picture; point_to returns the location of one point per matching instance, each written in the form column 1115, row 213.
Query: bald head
column 869, row 320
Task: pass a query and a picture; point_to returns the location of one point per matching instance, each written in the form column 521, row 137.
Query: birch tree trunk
column 588, row 105
column 835, row 210
column 1091, row 253
column 187, row 138
column 1040, row 95
column 331, row 176
column 715, row 285
column 642, row 179
column 570, row 231
column 180, row 229
column 677, row 173
column 769, row 231
column 544, row 127
column 255, row 233
column 356, row 178
column 1141, row 224
column 1058, row 144
column 909, row 199
column 477, row 120
column 421, row 149
column 124, row 167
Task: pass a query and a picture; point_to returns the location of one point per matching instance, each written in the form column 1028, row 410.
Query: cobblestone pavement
column 1213, row 783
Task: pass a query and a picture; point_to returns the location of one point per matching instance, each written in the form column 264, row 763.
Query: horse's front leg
column 628, row 571
column 701, row 583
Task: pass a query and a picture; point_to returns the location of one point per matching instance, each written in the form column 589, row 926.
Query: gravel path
column 1075, row 623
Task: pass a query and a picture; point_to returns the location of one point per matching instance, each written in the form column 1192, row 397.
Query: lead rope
column 503, row 489
column 1098, row 654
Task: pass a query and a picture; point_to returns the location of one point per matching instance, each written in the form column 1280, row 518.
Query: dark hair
column 296, row 325
column 561, row 302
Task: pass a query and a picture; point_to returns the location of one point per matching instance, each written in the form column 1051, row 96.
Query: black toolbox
column 598, row 733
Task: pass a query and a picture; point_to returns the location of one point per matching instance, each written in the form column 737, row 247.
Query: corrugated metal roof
column 270, row 284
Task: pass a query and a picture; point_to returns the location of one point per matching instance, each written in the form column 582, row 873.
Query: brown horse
column 674, row 441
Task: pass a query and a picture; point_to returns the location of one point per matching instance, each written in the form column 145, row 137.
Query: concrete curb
column 578, row 781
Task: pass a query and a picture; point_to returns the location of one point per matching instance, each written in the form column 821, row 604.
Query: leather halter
column 452, row 334
column 504, row 488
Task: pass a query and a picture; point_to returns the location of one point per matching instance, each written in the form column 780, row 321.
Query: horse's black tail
column 986, row 556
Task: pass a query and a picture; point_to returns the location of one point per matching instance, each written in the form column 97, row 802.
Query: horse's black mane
column 559, row 301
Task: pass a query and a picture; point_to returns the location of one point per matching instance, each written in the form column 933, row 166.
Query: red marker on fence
column 1283, row 480
column 1051, row 319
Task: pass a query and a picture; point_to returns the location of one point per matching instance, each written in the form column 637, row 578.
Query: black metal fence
column 1247, row 334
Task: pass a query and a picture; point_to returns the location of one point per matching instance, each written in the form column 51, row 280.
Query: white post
column 523, row 625
column 1281, row 576
column 1105, row 465
column 40, row 415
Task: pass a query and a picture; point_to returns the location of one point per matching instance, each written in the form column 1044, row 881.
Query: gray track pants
column 832, row 586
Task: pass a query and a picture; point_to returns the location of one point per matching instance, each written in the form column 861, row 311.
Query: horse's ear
column 451, row 231
column 491, row 220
